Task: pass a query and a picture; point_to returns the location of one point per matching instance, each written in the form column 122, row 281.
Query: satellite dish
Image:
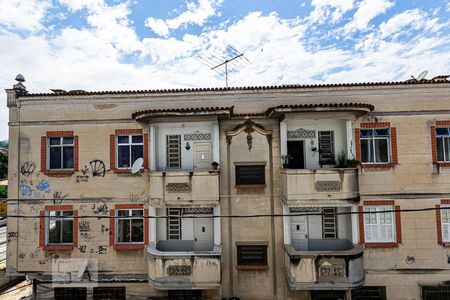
column 422, row 75
column 82, row 269
column 137, row 165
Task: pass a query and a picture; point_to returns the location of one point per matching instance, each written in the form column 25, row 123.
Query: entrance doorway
column 296, row 149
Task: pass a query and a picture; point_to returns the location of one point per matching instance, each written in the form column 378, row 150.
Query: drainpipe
column 230, row 220
column 272, row 218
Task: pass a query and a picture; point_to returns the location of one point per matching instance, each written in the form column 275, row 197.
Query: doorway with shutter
column 203, row 234
column 202, row 156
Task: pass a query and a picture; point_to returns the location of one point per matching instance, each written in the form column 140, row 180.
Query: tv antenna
column 226, row 64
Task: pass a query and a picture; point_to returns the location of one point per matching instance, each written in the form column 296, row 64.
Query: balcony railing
column 184, row 269
column 324, row 269
column 184, row 188
column 319, row 185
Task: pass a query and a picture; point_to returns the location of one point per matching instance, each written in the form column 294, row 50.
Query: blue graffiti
column 47, row 191
column 43, row 185
column 25, row 190
column 37, row 194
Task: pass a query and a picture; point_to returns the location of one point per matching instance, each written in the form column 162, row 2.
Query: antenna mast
column 230, row 60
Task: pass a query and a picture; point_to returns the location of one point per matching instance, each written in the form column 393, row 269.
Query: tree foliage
column 3, row 191
column 3, row 165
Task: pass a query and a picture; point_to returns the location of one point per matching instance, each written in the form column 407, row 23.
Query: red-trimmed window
column 129, row 226
column 443, row 223
column 59, row 152
column 376, row 144
column 126, row 146
column 58, row 227
column 380, row 224
column 440, row 143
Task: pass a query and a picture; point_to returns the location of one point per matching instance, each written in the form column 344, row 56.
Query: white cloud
column 329, row 9
column 367, row 10
column 196, row 14
column 281, row 51
column 397, row 23
column 23, row 14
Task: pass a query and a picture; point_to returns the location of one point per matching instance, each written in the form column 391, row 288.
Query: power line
column 405, row 210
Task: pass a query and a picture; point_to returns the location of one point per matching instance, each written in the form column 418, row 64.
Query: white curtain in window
column 379, row 225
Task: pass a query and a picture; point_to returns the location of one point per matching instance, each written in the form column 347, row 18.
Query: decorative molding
column 197, row 211
column 179, row 270
column 304, row 209
column 333, row 267
column 249, row 127
column 178, row 187
column 328, row 186
column 301, row 133
column 197, row 136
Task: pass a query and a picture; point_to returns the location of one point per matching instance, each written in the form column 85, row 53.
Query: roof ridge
column 243, row 88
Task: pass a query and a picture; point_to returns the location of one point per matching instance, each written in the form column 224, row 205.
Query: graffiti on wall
column 95, row 168
column 27, row 168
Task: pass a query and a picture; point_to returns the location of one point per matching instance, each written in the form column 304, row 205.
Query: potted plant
column 285, row 160
column 343, row 162
column 215, row 165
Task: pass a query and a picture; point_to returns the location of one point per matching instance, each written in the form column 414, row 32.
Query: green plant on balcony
column 344, row 162
column 285, row 159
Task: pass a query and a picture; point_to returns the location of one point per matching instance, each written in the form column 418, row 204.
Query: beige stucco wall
column 94, row 118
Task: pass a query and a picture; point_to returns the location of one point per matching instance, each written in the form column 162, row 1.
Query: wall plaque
column 328, row 186
column 179, row 270
column 178, row 187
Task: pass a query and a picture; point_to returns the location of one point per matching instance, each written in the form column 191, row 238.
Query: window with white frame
column 379, row 224
column 375, row 145
column 130, row 226
column 60, row 153
column 129, row 149
column 445, row 223
column 59, row 227
column 443, row 144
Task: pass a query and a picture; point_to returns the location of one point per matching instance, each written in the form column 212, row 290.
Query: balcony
column 320, row 269
column 319, row 185
column 184, row 188
column 172, row 268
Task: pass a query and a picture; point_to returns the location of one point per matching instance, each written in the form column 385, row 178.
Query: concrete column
column 355, row 225
column 286, row 225
column 152, row 148
column 152, row 213
column 215, row 143
column 350, row 141
column 283, row 137
column 217, row 228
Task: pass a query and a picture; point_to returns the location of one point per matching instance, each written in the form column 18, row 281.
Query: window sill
column 58, row 247
column 250, row 186
column 381, row 245
column 252, row 268
column 126, row 171
column 58, row 172
column 129, row 247
column 443, row 164
column 377, row 166
column 445, row 244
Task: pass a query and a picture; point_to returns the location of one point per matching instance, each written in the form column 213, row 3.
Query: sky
column 151, row 44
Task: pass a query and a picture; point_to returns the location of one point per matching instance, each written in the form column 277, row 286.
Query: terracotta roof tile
column 436, row 80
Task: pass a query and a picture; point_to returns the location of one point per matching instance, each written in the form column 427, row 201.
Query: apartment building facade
column 284, row 192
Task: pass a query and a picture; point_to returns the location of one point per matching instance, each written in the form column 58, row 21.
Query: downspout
column 230, row 220
column 272, row 218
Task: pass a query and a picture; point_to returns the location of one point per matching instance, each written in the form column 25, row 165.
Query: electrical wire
column 404, row 210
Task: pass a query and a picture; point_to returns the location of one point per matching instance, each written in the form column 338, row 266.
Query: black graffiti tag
column 27, row 168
